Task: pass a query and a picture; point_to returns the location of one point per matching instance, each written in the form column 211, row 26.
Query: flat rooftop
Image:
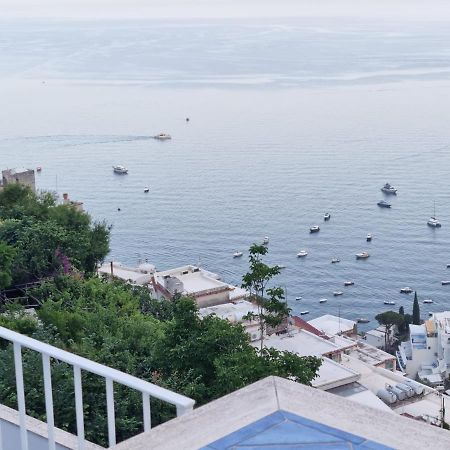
column 234, row 312
column 370, row 355
column 198, row 281
column 131, row 274
column 332, row 374
column 332, row 325
column 301, row 342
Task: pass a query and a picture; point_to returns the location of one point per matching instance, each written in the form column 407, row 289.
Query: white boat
column 389, row 302
column 302, row 313
column 349, row 283
column 432, row 221
column 146, row 189
column 298, row 298
column 326, row 216
column 120, row 169
column 406, row 290
column 335, row 260
column 281, row 266
column 237, row 254
column 369, row 237
column 302, row 254
column 362, row 320
column 323, row 300
column 445, row 283
column 314, row 229
column 266, row 240
column 362, row 255
column 428, row 300
column 448, row 266
column 388, row 189
column 163, row 136
column 336, row 293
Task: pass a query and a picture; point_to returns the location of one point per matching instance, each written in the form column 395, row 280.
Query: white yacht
column 314, row 229
column 237, row 254
column 146, row 190
column 428, row 300
column 362, row 255
column 163, row 136
column 323, row 300
column 336, row 293
column 369, row 237
column 349, row 283
column 266, row 240
column 326, row 216
column 388, row 189
column 335, row 260
column 120, row 169
column 298, row 298
column 389, row 302
column 302, row 313
column 432, row 221
column 406, row 290
column 302, row 254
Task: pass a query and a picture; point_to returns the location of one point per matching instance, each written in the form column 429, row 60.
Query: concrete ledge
column 241, row 408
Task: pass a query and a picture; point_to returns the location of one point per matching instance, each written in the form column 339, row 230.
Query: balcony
column 27, row 427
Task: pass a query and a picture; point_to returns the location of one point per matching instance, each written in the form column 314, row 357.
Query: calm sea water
column 288, row 120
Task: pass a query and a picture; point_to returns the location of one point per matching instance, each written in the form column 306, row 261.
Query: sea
column 288, row 119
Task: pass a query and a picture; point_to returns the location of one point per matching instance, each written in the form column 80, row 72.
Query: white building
column 332, row 325
column 204, row 286
column 235, row 313
column 21, row 176
column 139, row 276
column 427, row 352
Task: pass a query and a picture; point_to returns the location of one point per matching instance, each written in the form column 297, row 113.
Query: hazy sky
column 395, row 9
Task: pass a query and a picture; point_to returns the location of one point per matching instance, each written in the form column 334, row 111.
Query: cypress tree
column 416, row 311
column 402, row 326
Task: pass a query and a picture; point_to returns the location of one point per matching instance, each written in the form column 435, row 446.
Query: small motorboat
column 335, row 260
column 430, row 314
column 369, row 238
column 163, row 136
column 314, row 229
column 302, row 254
column 298, row 298
column 323, row 300
column 362, row 320
column 349, row 283
column 389, row 302
column 326, row 217
column 146, row 189
column 121, row 170
column 362, row 255
column 445, row 283
column 39, row 169
column 237, row 254
column 406, row 290
column 281, row 266
column 428, row 300
column 383, row 204
column 448, row 266
column 303, row 313
column 266, row 240
column 388, row 189
column 336, row 293
column 433, row 222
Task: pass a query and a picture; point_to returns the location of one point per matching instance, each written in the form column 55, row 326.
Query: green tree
column 7, row 257
column 271, row 309
column 402, row 326
column 389, row 319
column 416, row 311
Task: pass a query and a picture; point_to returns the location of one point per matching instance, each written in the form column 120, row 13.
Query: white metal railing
column 183, row 404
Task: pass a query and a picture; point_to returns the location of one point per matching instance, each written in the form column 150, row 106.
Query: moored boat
column 349, row 283
column 427, row 301
column 121, row 170
column 237, row 254
column 336, row 293
column 445, row 283
column 323, row 300
column 383, row 204
column 326, row 216
column 389, row 302
column 335, row 260
column 163, row 136
column 266, row 240
column 146, row 189
column 302, row 254
column 388, row 189
column 298, row 298
column 302, row 313
column 369, row 238
column 362, row 255
column 362, row 320
column 314, row 229
column 432, row 221
column 406, row 290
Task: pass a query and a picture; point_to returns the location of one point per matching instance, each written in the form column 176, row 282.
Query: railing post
column 147, row 419
column 79, row 406
column 48, row 401
column 110, row 412
column 183, row 410
column 20, row 395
